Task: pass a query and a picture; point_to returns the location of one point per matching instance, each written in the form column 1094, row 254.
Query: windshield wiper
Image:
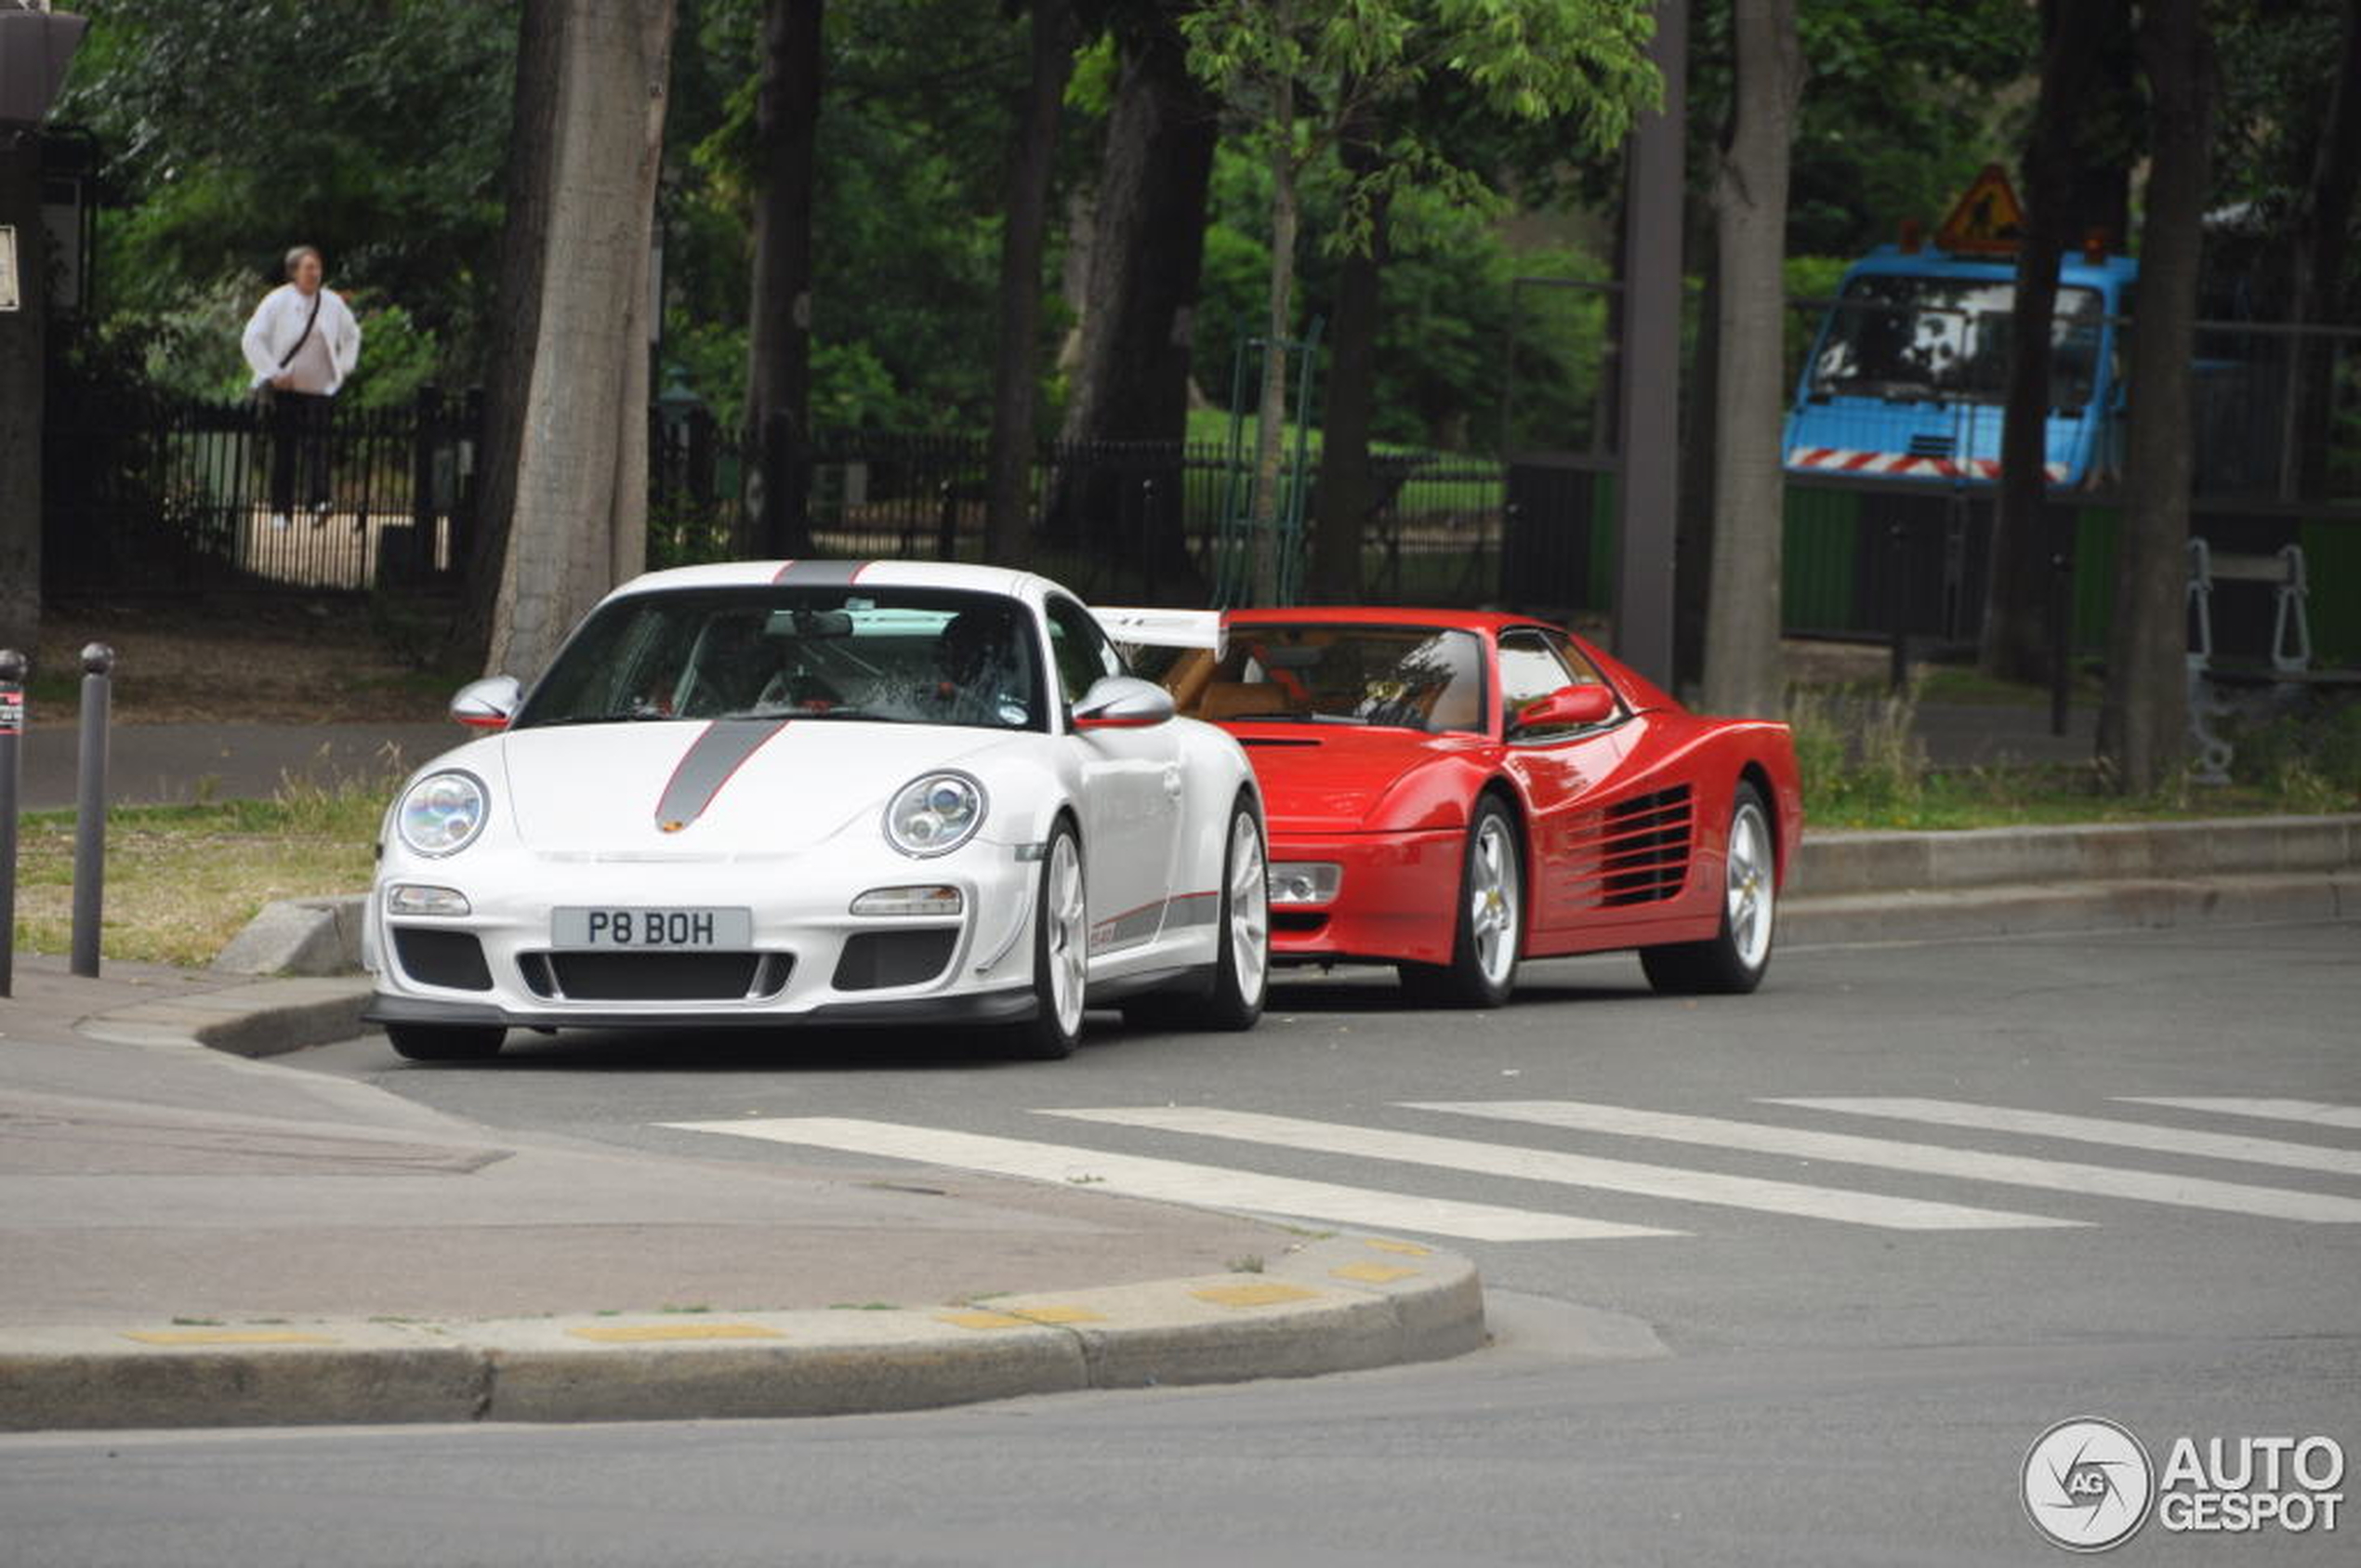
column 768, row 713
column 597, row 718
column 1297, row 718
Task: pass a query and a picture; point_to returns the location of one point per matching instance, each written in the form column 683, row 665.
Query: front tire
column 426, row 1042
column 1735, row 960
column 1061, row 955
column 1490, row 932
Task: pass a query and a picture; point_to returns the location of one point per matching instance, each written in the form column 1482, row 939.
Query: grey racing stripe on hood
column 720, row 751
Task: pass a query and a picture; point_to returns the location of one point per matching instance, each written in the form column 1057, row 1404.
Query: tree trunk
column 1016, row 381
column 22, row 373
column 582, row 490
column 2320, row 242
column 1347, row 496
column 1742, row 670
column 515, row 323
column 779, row 318
column 1693, row 529
column 2015, row 643
column 2143, row 726
column 1271, row 405
column 1146, row 249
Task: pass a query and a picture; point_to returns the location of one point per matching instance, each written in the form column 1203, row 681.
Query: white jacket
column 278, row 325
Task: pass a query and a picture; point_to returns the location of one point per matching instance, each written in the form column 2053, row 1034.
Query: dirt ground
column 225, row 661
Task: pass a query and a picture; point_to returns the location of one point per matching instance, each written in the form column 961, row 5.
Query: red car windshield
column 1427, row 679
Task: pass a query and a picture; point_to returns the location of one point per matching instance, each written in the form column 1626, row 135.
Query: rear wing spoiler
column 1163, row 629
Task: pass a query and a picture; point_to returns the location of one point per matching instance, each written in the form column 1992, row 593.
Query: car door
column 1560, row 768
column 1130, row 803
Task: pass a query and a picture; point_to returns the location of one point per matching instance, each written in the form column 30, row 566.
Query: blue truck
column 1907, row 377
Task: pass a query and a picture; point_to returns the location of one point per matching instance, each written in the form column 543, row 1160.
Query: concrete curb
column 298, row 937
column 1341, row 1304
column 267, row 1017
column 2146, row 903
column 1857, row 862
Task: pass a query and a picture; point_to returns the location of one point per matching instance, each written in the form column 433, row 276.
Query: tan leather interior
column 1226, row 699
column 1187, row 678
column 1457, row 706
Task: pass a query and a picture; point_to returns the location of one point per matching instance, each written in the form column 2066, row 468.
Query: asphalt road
column 1866, row 1308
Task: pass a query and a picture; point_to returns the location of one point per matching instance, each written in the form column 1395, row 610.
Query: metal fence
column 146, row 494
column 1109, row 519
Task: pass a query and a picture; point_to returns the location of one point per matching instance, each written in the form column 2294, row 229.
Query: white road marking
column 2318, row 1111
column 1576, row 1171
column 1177, row 1181
column 2057, row 1176
column 2094, row 1129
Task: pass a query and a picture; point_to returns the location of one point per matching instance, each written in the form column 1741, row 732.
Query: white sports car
column 821, row 791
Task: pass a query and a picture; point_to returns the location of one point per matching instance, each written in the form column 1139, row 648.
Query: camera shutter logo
column 2088, row 1485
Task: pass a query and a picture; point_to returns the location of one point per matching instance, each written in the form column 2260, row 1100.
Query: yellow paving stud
column 660, row 1333
column 229, row 1337
column 985, row 1320
column 1057, row 1314
column 1372, row 1274
column 1267, row 1295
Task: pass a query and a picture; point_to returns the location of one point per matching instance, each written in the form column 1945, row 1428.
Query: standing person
column 301, row 345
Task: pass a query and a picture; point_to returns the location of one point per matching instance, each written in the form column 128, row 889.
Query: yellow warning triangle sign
column 1987, row 218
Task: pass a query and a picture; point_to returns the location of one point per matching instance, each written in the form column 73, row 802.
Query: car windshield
column 1414, row 678
column 1911, row 339
column 888, row 655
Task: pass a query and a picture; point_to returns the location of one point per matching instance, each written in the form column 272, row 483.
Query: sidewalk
column 152, row 764
column 199, row 1238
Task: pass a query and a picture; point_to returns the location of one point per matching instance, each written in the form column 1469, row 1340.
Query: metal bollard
column 90, row 809
column 13, row 670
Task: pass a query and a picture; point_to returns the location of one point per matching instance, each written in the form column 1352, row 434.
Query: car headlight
column 935, row 814
column 443, row 813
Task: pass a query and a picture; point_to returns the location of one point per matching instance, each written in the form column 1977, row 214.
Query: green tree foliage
column 2279, row 60
column 1906, row 102
column 912, row 134
column 372, row 128
column 1298, row 72
column 1449, row 279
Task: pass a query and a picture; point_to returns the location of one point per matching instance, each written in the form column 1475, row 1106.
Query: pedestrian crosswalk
column 2312, row 1110
column 1563, row 1144
column 1175, row 1181
column 2065, row 1177
column 1575, row 1170
column 2095, row 1129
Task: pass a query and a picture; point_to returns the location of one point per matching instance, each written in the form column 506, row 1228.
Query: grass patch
column 182, row 880
column 1967, row 684
column 1862, row 767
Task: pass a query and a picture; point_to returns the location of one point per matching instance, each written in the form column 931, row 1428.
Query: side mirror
column 1120, row 701
column 488, row 704
column 1568, row 707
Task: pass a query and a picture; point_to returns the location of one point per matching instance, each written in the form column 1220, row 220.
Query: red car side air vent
column 1634, row 851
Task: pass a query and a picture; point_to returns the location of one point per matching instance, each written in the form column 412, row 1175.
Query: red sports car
column 1454, row 792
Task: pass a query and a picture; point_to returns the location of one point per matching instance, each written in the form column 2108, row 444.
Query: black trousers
column 299, row 432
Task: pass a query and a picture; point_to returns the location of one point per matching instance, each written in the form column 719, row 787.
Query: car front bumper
column 1397, row 900
column 805, row 960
